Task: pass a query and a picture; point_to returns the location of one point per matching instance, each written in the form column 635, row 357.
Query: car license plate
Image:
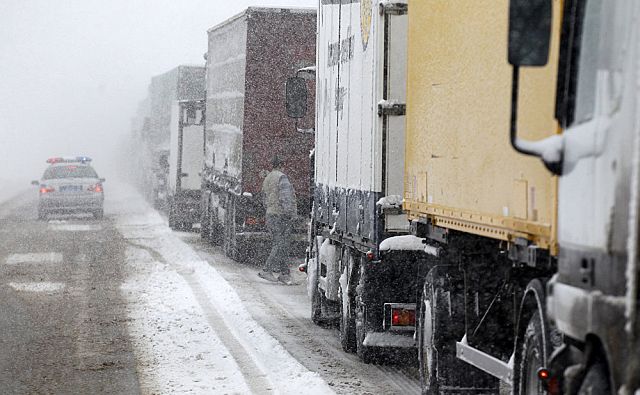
column 70, row 188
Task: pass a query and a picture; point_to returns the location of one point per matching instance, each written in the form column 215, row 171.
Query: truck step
column 388, row 339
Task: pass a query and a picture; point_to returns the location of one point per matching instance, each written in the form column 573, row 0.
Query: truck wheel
column 596, row 381
column 365, row 353
column 313, row 269
column 316, row 306
column 230, row 247
column 204, row 227
column 214, row 231
column 440, row 325
column 42, row 215
column 172, row 217
column 531, row 357
column 98, row 214
column 535, row 343
column 347, row 324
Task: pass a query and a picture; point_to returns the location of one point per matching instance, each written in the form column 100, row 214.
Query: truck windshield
column 70, row 171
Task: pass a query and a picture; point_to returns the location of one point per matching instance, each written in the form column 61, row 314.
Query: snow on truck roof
column 177, row 69
column 273, row 10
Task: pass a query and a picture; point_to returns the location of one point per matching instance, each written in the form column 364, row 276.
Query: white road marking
column 37, row 287
column 34, row 257
column 74, row 227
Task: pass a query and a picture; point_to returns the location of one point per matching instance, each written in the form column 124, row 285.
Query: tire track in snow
column 255, row 378
column 396, row 380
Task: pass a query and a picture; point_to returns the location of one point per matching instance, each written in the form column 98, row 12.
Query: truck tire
column 215, row 232
column 42, row 215
column 172, row 217
column 204, row 226
column 316, row 306
column 317, row 315
column 534, row 343
column 230, row 246
column 365, row 353
column 530, row 358
column 347, row 324
column 596, row 381
column 440, row 326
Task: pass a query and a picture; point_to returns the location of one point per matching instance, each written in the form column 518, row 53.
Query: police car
column 70, row 185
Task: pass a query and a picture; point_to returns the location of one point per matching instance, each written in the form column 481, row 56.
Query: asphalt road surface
column 125, row 305
column 62, row 322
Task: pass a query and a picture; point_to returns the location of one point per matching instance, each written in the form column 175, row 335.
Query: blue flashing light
column 69, row 159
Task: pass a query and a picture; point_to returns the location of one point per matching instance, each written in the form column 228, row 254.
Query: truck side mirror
column 529, row 32
column 296, row 96
column 529, row 40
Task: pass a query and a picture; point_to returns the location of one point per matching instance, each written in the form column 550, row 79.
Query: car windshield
column 69, row 171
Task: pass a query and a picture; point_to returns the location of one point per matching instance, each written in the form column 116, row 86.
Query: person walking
column 281, row 209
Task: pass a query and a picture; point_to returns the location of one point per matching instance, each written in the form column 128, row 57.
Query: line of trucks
column 472, row 196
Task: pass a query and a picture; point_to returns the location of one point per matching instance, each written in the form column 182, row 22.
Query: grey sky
column 73, row 71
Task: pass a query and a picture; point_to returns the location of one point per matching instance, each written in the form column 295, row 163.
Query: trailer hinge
column 392, row 8
column 386, row 107
column 529, row 254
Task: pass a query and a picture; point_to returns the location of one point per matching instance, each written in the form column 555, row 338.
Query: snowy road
column 127, row 305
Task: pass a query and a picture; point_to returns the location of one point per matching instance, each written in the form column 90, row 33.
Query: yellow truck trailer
column 489, row 210
column 460, row 172
column 533, row 276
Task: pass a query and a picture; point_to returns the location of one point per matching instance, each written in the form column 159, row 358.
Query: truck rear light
column 403, row 317
column 370, row 255
column 549, row 381
column 251, row 221
column 400, row 316
column 46, row 189
column 543, row 374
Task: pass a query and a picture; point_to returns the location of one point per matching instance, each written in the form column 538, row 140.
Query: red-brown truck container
column 249, row 58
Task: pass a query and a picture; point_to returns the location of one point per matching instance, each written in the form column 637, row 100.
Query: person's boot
column 285, row 278
column 268, row 275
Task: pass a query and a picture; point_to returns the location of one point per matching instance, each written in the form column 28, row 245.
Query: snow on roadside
column 175, row 341
column 177, row 352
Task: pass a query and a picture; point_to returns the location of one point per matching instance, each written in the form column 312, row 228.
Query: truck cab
column 592, row 299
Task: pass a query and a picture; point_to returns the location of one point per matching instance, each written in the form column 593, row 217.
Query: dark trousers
column 280, row 228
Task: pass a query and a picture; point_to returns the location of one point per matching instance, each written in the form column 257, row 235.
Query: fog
column 72, row 72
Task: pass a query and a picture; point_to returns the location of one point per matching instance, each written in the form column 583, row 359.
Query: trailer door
column 392, row 108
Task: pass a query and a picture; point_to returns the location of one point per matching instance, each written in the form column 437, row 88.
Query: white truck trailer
column 355, row 277
column 186, row 154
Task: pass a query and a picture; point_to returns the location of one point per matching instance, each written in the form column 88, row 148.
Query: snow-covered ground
column 190, row 330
